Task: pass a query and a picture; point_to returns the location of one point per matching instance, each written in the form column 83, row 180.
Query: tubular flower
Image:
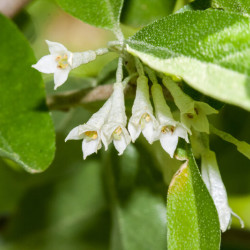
column 193, row 113
column 91, row 131
column 169, row 129
column 142, row 119
column 114, row 129
column 61, row 61
column 212, row 178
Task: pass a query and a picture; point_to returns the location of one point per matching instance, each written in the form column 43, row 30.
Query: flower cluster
column 109, row 123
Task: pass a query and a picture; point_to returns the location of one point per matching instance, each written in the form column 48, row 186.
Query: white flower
column 169, row 129
column 193, row 113
column 212, row 178
column 61, row 61
column 196, row 116
column 114, row 129
column 91, row 131
column 142, row 119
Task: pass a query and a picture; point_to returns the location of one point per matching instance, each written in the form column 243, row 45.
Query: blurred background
column 67, row 207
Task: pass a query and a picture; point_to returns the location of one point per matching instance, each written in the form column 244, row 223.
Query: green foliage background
column 105, row 201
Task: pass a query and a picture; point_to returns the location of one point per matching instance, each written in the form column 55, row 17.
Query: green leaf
column 192, row 219
column 100, row 13
column 142, row 12
column 136, row 196
column 69, row 213
column 242, row 146
column 210, row 50
column 242, row 6
column 26, row 129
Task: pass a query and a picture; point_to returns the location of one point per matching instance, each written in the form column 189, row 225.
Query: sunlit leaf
column 210, row 50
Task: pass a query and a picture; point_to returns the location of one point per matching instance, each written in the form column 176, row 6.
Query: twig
column 11, row 7
column 82, row 97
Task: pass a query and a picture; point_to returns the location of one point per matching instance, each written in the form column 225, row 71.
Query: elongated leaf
column 100, row 13
column 26, row 129
column 210, row 50
column 242, row 146
column 141, row 12
column 137, row 203
column 192, row 219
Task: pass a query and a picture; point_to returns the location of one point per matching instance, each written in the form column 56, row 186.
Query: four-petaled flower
column 61, row 61
column 142, row 119
column 169, row 129
column 115, row 127
column 91, row 131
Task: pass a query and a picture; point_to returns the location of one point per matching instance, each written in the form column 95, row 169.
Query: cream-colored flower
column 61, row 61
column 142, row 119
column 91, row 131
column 169, row 130
column 115, row 127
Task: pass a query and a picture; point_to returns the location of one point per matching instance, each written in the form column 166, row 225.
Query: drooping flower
column 61, row 61
column 212, row 178
column 169, row 129
column 193, row 113
column 115, row 127
column 142, row 119
column 91, row 131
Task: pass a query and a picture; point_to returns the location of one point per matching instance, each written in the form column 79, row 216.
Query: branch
column 70, row 99
column 11, row 7
column 82, row 97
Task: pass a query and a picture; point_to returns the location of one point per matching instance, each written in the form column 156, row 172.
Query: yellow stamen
column 145, row 118
column 91, row 134
column 117, row 133
column 166, row 129
column 62, row 61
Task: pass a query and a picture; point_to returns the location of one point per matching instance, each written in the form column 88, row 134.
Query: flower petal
column 90, row 146
column 56, row 48
column 99, row 118
column 169, row 142
column 106, row 133
column 181, row 132
column 216, row 188
column 121, row 144
column 207, row 109
column 46, row 64
column 149, row 132
column 75, row 134
column 134, row 131
column 60, row 76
